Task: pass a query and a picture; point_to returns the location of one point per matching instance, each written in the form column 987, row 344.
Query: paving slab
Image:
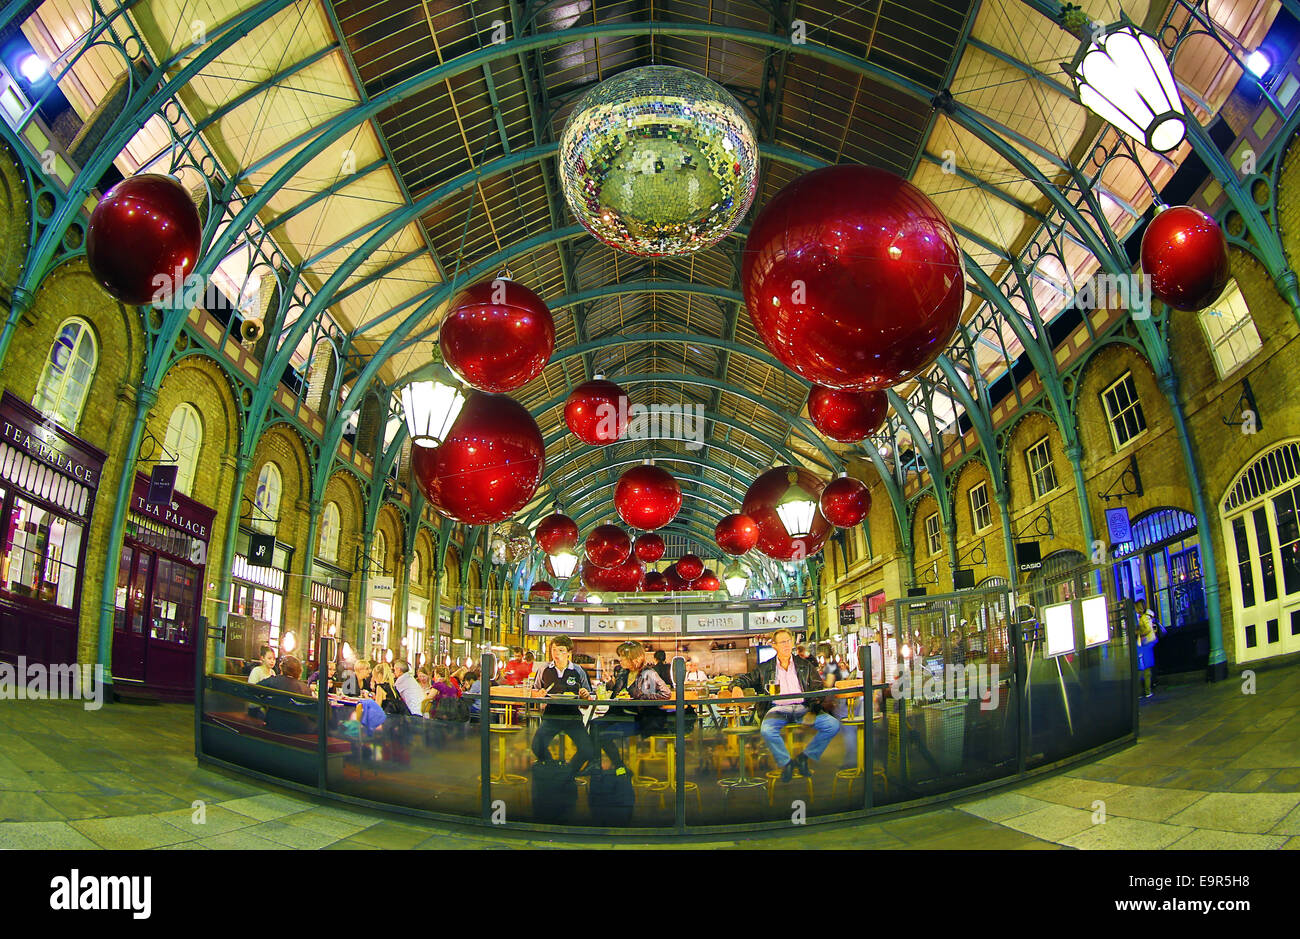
column 1255, row 812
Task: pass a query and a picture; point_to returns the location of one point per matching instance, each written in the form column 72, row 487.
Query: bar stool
column 853, row 773
column 502, row 778
column 741, row 737
column 669, row 756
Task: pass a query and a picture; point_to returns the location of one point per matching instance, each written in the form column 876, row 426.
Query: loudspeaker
column 251, row 330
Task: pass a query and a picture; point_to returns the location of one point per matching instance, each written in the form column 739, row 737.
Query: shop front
column 328, row 600
column 48, row 480
column 160, row 591
column 256, row 602
column 417, row 629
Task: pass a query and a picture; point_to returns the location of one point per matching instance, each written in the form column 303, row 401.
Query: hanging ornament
column 736, row 534
column 647, row 497
column 845, row 501
column 707, row 581
column 689, row 567
column 654, row 582
column 488, row 467
column 498, row 336
column 761, row 500
column 542, row 590
column 622, row 578
column 853, row 278
column 1185, row 254
column 143, row 239
column 596, row 412
column 676, row 583
column 557, row 533
column 648, row 547
column 608, row 546
column 847, row 416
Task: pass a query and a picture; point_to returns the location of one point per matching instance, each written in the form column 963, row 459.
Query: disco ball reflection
column 659, row 161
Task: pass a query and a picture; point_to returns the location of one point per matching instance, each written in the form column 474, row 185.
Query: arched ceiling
column 438, row 119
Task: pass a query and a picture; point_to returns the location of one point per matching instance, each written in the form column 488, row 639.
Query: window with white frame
column 329, row 533
column 1123, row 411
column 183, row 439
column 65, row 381
column 270, row 487
column 415, row 568
column 1229, row 331
column 1041, row 471
column 932, row 536
column 378, row 552
column 980, row 516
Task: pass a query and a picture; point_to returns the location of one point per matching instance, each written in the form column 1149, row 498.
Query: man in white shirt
column 407, row 687
column 265, row 668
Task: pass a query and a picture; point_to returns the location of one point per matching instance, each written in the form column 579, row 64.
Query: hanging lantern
column 736, row 580
column 1123, row 77
column 847, row 416
column 608, row 546
column 1185, row 254
column 596, row 412
column 431, row 404
column 845, row 501
column 143, row 239
column 853, row 278
column 557, row 533
column 689, row 567
column 562, row 564
column 736, row 534
column 648, row 547
column 498, row 336
column 796, row 508
column 647, row 497
column 761, row 503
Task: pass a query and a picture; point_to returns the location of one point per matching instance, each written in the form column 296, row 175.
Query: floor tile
column 130, row 833
column 266, row 806
column 293, row 836
column 1150, row 803
column 1003, row 806
column 313, row 820
column 241, row 840
column 214, row 820
column 42, row 836
column 1068, row 790
column 391, row 835
column 27, row 807
column 1205, row 839
column 1255, row 812
column 1053, row 823
column 1126, row 834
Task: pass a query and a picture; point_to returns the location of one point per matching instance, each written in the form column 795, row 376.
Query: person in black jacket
column 662, row 668
column 562, row 677
column 789, row 674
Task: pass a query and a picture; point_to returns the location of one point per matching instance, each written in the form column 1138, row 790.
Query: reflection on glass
column 41, row 555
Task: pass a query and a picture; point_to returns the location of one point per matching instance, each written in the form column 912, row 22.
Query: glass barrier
column 269, row 730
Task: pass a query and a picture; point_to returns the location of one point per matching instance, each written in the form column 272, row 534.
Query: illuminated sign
column 768, row 620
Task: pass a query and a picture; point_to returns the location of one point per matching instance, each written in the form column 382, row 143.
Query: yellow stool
column 738, row 740
column 853, row 773
column 669, row 756
column 502, row 778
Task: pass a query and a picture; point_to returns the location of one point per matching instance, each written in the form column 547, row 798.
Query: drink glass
column 773, row 688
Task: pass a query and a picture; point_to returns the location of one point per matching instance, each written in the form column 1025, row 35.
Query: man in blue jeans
column 790, row 675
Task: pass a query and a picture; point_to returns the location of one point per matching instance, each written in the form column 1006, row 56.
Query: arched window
column 329, row 533
column 267, row 501
column 378, row 552
column 415, row 567
column 183, row 440
column 65, row 382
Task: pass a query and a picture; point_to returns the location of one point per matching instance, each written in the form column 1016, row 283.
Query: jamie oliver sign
column 767, row 620
column 715, row 622
column 557, row 623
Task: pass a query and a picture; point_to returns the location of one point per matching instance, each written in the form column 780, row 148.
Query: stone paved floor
column 1215, row 768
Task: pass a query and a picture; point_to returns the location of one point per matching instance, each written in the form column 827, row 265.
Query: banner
column 723, row 622
column 768, row 620
column 556, row 623
column 617, row 624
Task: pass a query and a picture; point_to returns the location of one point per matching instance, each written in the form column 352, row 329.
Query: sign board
column 381, row 588
column 261, row 550
column 617, row 624
column 666, row 623
column 1058, row 622
column 768, row 620
column 720, row 622
column 556, row 623
column 963, row 578
column 162, row 482
column 1029, row 556
column 1117, row 524
column 1096, row 628
column 848, row 615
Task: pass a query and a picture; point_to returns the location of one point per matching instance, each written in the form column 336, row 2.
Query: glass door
column 131, row 614
column 1286, row 512
column 1266, row 586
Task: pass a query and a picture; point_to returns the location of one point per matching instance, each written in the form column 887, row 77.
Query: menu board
column 720, row 622
column 615, row 624
column 1096, row 630
column 554, row 623
column 1058, row 620
column 666, row 623
column 768, row 620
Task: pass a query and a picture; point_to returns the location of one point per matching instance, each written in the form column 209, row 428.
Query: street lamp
column 1121, row 74
column 431, row 403
column 736, row 580
column 796, row 508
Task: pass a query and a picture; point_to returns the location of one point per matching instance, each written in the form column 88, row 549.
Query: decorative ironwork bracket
column 1037, row 523
column 1250, row 412
column 153, row 443
column 976, row 555
column 1130, row 479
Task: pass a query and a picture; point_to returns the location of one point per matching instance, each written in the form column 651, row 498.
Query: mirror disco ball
column 659, row 161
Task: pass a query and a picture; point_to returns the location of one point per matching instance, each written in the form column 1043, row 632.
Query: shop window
column 183, row 441
column 65, row 382
column 1041, row 471
column 980, row 516
column 415, row 567
column 267, row 501
column 378, row 552
column 933, row 538
column 1229, row 331
column 1123, row 411
column 329, row 533
column 41, row 555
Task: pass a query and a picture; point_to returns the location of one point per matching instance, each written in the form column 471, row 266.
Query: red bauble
column 707, row 581
column 596, row 412
column 760, row 505
column 557, row 533
column 542, row 589
column 648, row 547
column 845, row 502
column 647, row 497
column 654, row 582
column 488, row 467
column 676, row 583
column 736, row 534
column 847, row 416
column 498, row 336
column 689, row 567
column 853, row 278
column 144, row 238
column 624, row 578
column 1186, row 256
column 608, row 546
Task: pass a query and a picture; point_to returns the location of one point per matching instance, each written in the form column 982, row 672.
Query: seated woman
column 385, row 694
column 633, row 680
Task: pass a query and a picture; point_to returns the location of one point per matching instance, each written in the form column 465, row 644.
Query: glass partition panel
column 262, row 728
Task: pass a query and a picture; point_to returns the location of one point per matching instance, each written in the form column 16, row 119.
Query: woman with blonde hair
column 633, row 680
column 385, row 694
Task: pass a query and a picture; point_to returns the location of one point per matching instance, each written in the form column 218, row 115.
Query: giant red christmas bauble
column 676, row 583
column 654, row 582
column 1186, row 256
column 847, row 416
column 707, row 581
column 647, row 497
column 557, row 533
column 488, row 467
column 596, row 412
column 760, row 505
column 498, row 336
column 689, row 567
column 845, row 502
column 143, row 239
column 608, row 546
column 736, row 534
column 648, row 547
column 541, row 589
column 624, row 578
column 853, row 278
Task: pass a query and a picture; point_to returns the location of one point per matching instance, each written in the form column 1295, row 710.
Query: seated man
column 282, row 719
column 561, row 676
column 791, row 675
column 516, row 670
